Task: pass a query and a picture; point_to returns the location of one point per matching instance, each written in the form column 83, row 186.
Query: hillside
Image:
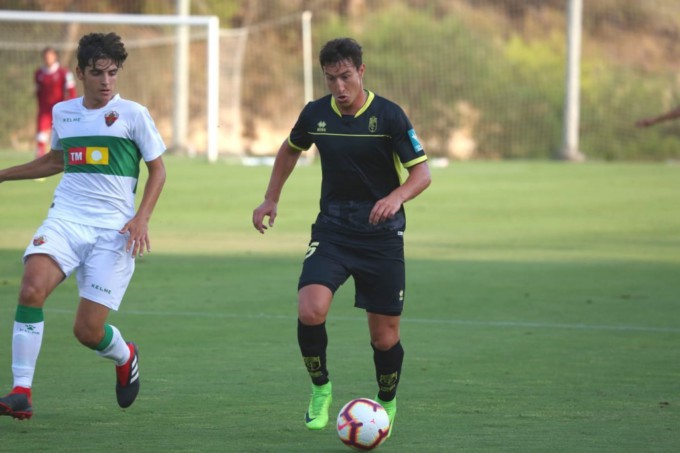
column 482, row 76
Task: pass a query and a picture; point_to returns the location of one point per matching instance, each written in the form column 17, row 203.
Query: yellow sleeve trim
column 296, row 147
column 413, row 162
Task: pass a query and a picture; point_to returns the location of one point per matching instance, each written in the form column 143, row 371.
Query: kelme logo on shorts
column 91, row 155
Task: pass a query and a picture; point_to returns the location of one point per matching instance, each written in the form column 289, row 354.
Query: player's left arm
column 69, row 86
column 138, row 226
column 418, row 180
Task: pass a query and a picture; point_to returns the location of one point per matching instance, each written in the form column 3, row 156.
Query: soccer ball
column 363, row 424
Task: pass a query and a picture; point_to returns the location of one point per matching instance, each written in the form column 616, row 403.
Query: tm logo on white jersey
column 91, row 155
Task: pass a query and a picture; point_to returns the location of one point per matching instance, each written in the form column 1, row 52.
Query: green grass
column 542, row 315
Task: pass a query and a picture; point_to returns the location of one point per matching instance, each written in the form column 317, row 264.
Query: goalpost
column 152, row 50
column 570, row 144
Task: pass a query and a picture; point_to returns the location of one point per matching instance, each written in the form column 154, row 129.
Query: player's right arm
column 284, row 164
column 50, row 164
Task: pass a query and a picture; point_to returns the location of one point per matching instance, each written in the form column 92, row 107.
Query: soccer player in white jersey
column 92, row 229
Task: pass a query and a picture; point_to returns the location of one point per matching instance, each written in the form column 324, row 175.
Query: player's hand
column 138, row 241
column 266, row 209
column 384, row 209
column 644, row 123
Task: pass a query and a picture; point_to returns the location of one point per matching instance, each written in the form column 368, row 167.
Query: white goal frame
column 211, row 23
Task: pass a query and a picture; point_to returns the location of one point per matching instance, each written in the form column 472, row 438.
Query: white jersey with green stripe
column 102, row 152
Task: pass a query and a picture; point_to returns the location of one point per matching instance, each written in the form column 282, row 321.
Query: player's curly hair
column 341, row 49
column 99, row 46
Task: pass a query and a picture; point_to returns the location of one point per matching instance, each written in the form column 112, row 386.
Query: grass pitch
column 542, row 315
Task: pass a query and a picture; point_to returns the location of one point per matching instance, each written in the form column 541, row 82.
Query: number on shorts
column 311, row 249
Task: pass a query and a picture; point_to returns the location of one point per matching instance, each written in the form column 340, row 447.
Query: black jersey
column 361, row 159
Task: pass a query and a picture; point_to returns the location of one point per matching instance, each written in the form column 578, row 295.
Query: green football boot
column 391, row 409
column 317, row 413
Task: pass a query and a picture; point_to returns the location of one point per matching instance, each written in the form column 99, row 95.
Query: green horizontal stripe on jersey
column 124, row 156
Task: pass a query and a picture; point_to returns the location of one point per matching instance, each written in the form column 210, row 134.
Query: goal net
column 241, row 92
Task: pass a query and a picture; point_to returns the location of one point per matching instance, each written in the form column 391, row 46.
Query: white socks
column 117, row 350
column 26, row 342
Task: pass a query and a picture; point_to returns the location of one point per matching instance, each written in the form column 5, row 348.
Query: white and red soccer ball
column 363, row 424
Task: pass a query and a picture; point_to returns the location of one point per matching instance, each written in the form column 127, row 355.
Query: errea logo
column 321, row 126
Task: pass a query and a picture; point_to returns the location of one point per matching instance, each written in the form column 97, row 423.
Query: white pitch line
column 406, row 320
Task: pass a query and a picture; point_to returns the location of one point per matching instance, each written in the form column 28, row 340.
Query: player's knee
column 385, row 341
column 312, row 310
column 86, row 336
column 312, row 314
column 382, row 345
column 311, row 317
column 32, row 295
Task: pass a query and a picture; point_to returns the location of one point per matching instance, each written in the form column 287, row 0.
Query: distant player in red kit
column 53, row 84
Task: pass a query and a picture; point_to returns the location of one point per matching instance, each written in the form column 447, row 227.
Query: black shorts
column 376, row 266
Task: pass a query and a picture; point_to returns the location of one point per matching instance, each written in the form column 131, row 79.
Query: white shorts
column 103, row 268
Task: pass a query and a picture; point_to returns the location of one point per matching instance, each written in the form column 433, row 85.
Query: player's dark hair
column 341, row 49
column 99, row 46
column 49, row 49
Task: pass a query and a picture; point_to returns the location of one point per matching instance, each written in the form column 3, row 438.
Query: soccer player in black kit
column 363, row 141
